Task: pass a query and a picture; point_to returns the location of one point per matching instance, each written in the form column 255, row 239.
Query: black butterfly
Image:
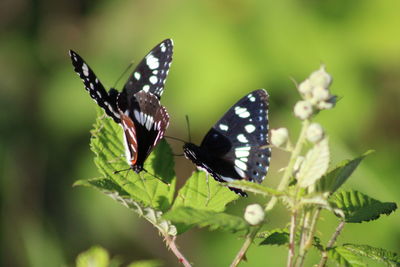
column 137, row 108
column 235, row 148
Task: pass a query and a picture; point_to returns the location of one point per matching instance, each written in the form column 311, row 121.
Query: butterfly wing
column 106, row 100
column 149, row 123
column 151, row 73
column 239, row 139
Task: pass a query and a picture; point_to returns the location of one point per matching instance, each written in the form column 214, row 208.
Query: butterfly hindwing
column 106, row 100
column 151, row 73
column 149, row 120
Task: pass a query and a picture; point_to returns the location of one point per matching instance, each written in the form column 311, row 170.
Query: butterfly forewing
column 106, row 100
column 151, row 73
column 245, row 125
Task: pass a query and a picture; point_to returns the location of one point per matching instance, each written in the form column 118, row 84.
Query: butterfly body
column 137, row 107
column 235, row 148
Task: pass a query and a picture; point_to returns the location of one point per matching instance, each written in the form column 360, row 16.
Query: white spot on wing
column 137, row 75
column 251, row 97
column 153, row 79
column 250, row 128
column 242, row 138
column 223, row 127
column 146, row 88
column 241, row 153
column 240, row 164
column 152, row 62
column 85, row 70
column 242, row 112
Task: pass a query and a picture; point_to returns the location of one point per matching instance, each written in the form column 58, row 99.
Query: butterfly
column 236, row 147
column 137, row 107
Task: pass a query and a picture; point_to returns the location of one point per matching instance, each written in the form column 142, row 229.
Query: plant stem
column 331, row 243
column 282, row 185
column 307, row 244
column 170, row 241
column 242, row 252
column 291, row 251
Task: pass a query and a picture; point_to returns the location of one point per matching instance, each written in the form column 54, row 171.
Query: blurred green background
column 223, row 49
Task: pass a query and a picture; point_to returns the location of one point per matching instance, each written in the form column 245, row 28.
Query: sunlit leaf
column 93, row 257
column 113, row 190
column 195, row 193
column 378, row 254
column 203, row 218
column 315, row 164
column 344, row 257
column 106, row 143
column 358, row 207
column 336, row 177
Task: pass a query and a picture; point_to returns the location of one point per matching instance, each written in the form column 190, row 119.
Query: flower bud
column 320, row 78
column 325, row 105
column 279, row 136
column 254, row 214
column 315, row 132
column 303, row 109
column 305, row 88
column 320, row 94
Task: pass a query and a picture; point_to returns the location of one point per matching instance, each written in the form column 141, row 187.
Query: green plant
column 306, row 188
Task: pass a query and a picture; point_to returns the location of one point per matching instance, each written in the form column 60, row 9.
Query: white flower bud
column 254, row 214
column 305, row 88
column 297, row 165
column 320, row 94
column 279, row 136
column 320, row 78
column 303, row 109
column 315, row 132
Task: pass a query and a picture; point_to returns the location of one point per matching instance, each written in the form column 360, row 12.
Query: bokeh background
column 223, row 49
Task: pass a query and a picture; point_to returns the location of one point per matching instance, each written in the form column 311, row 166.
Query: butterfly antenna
column 155, row 176
column 188, row 127
column 122, row 75
column 174, row 138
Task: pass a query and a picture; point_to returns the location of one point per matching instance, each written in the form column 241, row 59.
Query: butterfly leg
column 208, row 190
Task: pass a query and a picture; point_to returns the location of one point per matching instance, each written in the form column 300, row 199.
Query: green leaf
column 358, row 207
column 106, row 143
column 93, row 257
column 113, row 190
column 146, row 263
column 254, row 188
column 336, row 177
column 276, row 237
column 202, row 218
column 195, row 194
column 315, row 164
column 344, row 257
column 377, row 254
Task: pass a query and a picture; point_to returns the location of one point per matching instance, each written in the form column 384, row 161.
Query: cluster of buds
column 315, row 93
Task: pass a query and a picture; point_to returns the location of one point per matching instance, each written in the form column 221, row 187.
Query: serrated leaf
column 113, row 190
column 344, row 257
column 195, row 194
column 358, row 207
column 146, row 263
column 202, row 218
column 315, row 164
column 339, row 175
column 94, row 257
column 106, row 143
column 254, row 188
column 276, row 237
column 378, row 254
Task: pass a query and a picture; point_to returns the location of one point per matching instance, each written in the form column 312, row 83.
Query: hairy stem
column 170, row 241
column 282, row 185
column 291, row 251
column 330, row 244
column 309, row 237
